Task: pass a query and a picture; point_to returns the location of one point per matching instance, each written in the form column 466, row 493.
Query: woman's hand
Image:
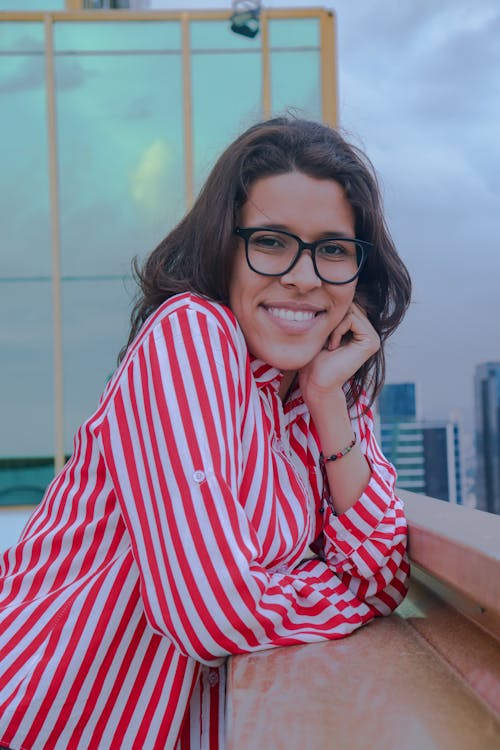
column 348, row 347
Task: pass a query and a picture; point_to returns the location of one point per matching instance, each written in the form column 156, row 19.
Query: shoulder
column 185, row 331
column 191, row 317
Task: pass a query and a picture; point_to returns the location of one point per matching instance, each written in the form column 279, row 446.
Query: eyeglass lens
column 272, row 252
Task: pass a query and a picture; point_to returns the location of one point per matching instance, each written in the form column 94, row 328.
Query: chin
column 288, row 364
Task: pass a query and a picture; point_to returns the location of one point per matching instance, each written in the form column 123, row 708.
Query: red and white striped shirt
column 176, row 535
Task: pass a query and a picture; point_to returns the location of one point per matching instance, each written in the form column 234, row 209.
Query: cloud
column 419, row 90
column 70, row 74
column 139, row 109
column 150, row 181
column 29, row 75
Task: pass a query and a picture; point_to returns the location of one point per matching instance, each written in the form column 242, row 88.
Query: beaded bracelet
column 341, row 453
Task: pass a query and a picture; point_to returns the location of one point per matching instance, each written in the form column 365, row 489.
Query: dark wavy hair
column 197, row 255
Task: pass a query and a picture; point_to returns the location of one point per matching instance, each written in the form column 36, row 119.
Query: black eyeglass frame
column 246, row 232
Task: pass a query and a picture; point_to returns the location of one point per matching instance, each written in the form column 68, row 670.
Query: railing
column 425, row 678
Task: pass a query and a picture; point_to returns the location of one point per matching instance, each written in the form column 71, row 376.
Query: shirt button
column 213, row 677
column 199, row 476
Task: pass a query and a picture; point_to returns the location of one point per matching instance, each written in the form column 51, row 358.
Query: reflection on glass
column 26, row 375
column 296, row 83
column 226, row 99
column 121, row 156
column 32, row 4
column 21, row 36
column 24, row 192
column 294, row 32
column 88, row 36
column 95, row 327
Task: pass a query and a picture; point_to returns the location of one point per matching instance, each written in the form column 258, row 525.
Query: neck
column 286, row 384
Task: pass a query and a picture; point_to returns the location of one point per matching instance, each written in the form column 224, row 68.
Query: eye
column 333, row 250
column 267, row 240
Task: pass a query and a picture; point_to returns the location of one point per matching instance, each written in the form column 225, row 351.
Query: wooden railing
column 425, row 678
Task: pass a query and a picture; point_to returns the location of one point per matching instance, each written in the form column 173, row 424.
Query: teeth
column 297, row 315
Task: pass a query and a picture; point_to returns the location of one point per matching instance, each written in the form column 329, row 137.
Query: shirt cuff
column 352, row 528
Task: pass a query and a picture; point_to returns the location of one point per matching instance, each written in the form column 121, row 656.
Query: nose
column 302, row 275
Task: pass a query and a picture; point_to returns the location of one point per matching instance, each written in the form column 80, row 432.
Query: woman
column 228, row 494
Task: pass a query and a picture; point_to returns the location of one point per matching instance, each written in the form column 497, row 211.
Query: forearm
column 349, row 475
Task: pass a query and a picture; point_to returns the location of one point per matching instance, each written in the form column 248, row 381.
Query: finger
column 360, row 321
column 343, row 327
column 359, row 311
column 362, row 330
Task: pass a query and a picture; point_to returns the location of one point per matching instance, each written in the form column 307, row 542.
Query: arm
column 364, row 538
column 365, row 544
column 172, row 443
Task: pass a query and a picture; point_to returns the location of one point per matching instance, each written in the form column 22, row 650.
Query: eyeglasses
column 272, row 252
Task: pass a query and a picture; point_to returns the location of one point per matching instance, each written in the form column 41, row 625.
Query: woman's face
column 286, row 320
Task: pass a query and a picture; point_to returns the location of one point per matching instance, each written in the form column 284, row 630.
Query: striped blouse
column 177, row 534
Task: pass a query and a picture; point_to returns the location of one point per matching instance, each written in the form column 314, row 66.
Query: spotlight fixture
column 245, row 17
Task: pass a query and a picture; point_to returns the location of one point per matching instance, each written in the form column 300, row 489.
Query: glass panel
column 95, row 327
column 294, row 32
column 21, row 37
column 296, row 83
column 24, row 191
column 121, row 158
column 26, row 375
column 226, row 100
column 32, row 4
column 217, row 35
column 88, row 36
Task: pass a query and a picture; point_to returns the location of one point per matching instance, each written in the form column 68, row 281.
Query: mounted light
column 245, row 17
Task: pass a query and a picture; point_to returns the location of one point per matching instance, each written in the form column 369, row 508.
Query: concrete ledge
column 426, row 678
column 455, row 551
column 382, row 688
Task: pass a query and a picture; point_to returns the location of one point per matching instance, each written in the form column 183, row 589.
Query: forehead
column 298, row 202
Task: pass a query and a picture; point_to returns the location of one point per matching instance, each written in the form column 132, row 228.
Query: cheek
column 343, row 297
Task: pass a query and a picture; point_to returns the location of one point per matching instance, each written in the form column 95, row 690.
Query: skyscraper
column 426, row 454
column 487, row 393
column 401, row 436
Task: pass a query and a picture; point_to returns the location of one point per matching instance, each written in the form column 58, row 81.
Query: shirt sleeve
column 171, row 439
column 366, row 545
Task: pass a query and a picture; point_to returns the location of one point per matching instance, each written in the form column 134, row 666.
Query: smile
column 296, row 315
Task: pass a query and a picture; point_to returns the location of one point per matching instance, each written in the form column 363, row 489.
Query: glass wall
column 26, row 373
column 123, row 88
column 121, row 176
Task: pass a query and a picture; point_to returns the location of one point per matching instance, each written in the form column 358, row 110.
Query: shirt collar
column 265, row 374
column 268, row 376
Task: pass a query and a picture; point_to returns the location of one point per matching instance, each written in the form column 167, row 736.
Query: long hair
column 197, row 255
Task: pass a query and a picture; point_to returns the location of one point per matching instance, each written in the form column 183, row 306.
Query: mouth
column 295, row 315
column 293, row 319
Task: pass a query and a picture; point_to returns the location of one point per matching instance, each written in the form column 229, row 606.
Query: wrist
column 324, row 407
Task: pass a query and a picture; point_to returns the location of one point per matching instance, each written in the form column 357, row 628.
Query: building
column 426, row 454
column 114, row 118
column 487, row 402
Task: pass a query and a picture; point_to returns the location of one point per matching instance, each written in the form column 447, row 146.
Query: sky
column 419, row 90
